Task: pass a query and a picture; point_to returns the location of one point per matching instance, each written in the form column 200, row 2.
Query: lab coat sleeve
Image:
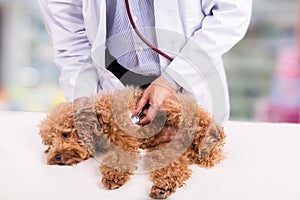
column 72, row 51
column 225, row 23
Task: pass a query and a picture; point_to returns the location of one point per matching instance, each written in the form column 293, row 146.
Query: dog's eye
column 65, row 135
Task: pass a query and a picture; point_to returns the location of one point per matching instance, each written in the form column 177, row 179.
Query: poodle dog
column 181, row 134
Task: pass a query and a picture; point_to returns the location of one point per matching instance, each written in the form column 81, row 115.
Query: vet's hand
column 80, row 102
column 154, row 95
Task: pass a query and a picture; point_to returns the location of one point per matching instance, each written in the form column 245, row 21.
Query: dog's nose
column 57, row 157
column 162, row 192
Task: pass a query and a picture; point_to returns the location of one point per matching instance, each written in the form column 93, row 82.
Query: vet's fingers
column 168, row 134
column 149, row 115
column 142, row 103
column 145, row 120
column 80, row 102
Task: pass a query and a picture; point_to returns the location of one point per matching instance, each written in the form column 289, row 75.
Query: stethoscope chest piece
column 135, row 118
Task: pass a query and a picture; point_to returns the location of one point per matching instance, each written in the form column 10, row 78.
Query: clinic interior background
column 263, row 69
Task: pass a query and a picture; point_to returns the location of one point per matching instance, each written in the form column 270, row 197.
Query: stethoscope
column 141, row 36
column 136, row 118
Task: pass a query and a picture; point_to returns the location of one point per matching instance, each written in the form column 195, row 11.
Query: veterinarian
column 195, row 33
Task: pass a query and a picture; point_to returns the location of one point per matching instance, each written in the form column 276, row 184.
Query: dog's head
column 60, row 134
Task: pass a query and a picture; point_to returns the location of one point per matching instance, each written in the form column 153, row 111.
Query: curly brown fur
column 168, row 179
column 182, row 134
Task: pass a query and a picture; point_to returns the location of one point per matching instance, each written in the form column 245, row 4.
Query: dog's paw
column 115, row 182
column 160, row 193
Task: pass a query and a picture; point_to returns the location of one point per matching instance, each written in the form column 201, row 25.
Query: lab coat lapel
column 169, row 27
column 98, row 48
column 98, row 52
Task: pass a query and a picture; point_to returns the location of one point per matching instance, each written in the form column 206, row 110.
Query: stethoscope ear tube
column 141, row 36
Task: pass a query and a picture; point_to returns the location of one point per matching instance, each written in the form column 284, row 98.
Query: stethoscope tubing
column 141, row 35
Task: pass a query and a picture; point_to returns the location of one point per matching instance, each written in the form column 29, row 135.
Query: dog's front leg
column 117, row 167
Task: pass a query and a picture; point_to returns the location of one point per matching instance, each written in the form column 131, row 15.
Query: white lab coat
column 196, row 32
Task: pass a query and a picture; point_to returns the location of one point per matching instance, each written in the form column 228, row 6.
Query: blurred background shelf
column 28, row 76
column 251, row 65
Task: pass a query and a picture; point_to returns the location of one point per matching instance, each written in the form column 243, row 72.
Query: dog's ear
column 87, row 125
column 59, row 117
column 45, row 133
column 210, row 151
column 215, row 134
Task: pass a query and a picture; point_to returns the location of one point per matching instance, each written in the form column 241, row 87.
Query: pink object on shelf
column 287, row 64
column 278, row 113
column 284, row 102
column 286, row 83
column 268, row 112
